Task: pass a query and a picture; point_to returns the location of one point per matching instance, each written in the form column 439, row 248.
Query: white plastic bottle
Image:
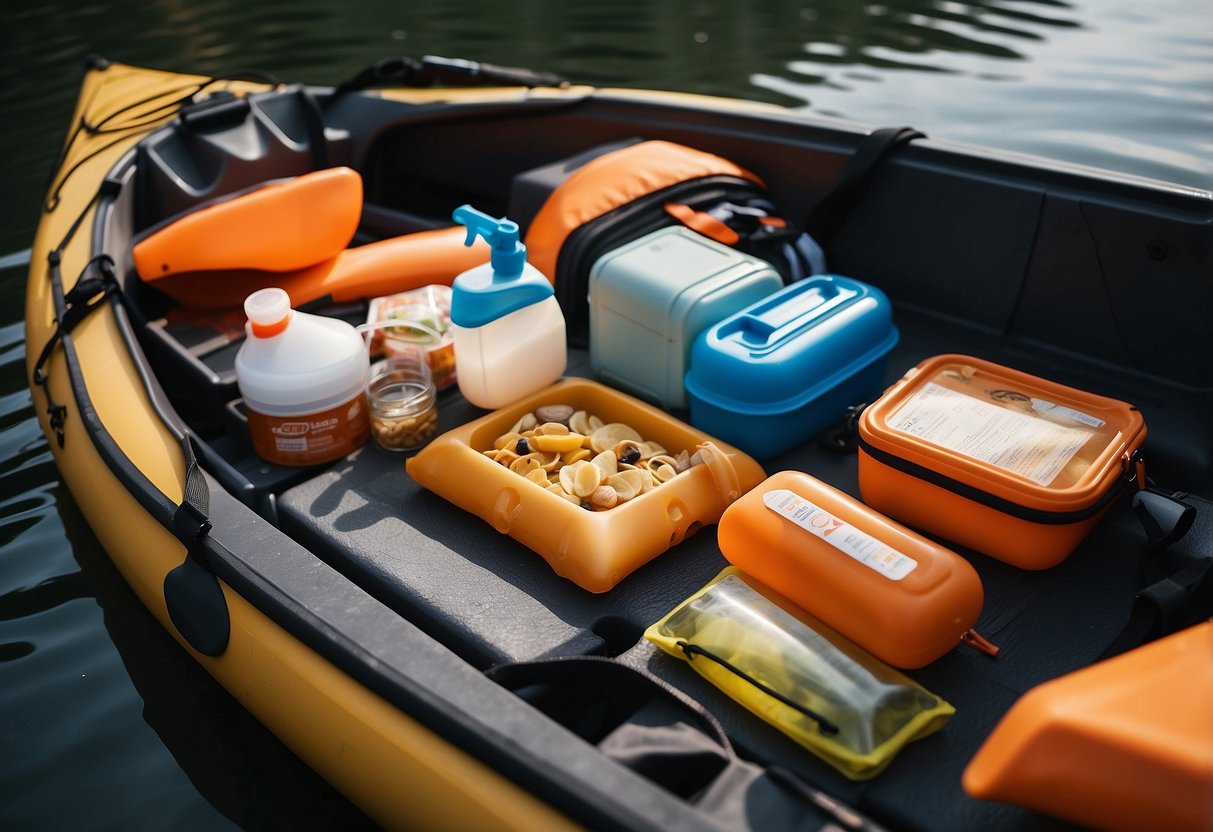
column 303, row 379
column 507, row 325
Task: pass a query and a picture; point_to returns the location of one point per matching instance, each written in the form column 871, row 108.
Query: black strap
column 692, row 650
column 434, row 71
column 96, row 282
column 1177, row 576
column 831, row 212
column 192, row 592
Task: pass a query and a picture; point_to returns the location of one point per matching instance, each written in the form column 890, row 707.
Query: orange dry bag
column 1126, row 744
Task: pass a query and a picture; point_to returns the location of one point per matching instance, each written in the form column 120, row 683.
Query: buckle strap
column 192, row 593
column 96, row 283
column 828, row 216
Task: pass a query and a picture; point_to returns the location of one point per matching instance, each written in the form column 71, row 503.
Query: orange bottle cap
column 268, row 311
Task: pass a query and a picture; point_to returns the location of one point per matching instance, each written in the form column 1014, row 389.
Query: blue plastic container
column 787, row 367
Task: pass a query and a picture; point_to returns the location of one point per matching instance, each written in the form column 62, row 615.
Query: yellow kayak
column 438, row 672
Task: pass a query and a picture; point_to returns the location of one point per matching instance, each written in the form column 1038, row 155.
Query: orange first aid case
column 1014, row 466
column 594, row 549
column 901, row 597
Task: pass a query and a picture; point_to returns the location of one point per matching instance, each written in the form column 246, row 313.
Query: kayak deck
column 492, row 600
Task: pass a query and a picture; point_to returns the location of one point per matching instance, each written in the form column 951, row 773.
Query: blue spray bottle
column 508, row 328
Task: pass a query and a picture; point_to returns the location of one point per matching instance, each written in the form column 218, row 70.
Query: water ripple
column 23, row 603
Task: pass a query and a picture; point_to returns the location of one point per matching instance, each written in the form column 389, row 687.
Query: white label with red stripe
column 861, row 546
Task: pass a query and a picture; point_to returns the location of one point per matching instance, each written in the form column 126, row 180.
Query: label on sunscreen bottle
column 844, row 537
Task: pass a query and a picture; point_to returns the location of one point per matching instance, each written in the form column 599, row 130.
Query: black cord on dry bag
column 692, row 650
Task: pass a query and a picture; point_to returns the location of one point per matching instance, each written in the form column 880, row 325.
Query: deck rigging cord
column 145, row 118
column 192, row 592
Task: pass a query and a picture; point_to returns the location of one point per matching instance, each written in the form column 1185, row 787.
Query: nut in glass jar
column 403, row 402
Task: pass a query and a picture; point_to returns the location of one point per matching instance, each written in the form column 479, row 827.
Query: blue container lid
column 505, row 284
column 793, row 346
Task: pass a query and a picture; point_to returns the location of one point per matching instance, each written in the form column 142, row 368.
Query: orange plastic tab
column 612, row 180
column 703, row 223
column 280, row 226
column 383, row 268
column 594, row 549
column 903, row 598
column 1126, row 744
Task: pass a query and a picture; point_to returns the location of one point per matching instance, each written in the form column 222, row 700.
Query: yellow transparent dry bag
column 839, row 702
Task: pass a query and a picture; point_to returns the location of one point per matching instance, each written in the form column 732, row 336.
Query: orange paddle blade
column 281, row 226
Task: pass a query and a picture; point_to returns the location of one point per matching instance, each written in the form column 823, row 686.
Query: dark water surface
column 104, row 722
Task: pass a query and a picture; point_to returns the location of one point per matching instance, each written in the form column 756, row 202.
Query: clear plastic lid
column 1017, row 429
column 1019, row 437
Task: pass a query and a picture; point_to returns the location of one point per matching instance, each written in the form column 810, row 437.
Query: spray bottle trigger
column 508, row 254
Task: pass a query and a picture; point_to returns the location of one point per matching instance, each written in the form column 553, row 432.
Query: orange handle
column 382, row 268
column 394, row 265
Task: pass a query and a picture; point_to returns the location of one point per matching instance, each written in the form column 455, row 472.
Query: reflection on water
column 1116, row 84
column 1106, row 83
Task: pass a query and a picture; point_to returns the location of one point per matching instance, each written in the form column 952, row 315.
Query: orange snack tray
column 594, row 549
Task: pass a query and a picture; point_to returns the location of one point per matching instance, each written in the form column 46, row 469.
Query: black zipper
column 969, row 492
column 585, row 244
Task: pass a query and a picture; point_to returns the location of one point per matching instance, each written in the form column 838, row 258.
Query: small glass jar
column 403, row 402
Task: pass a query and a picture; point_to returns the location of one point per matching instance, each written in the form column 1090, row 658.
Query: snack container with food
column 425, row 323
column 595, row 549
column 1015, row 466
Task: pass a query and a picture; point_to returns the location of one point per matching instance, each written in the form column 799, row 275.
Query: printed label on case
column 1025, row 444
column 1048, row 408
column 856, row 544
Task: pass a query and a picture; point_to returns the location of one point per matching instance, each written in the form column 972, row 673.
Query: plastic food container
column 901, row 597
column 594, row 549
column 425, row 321
column 1014, row 466
column 649, row 300
column 784, row 369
